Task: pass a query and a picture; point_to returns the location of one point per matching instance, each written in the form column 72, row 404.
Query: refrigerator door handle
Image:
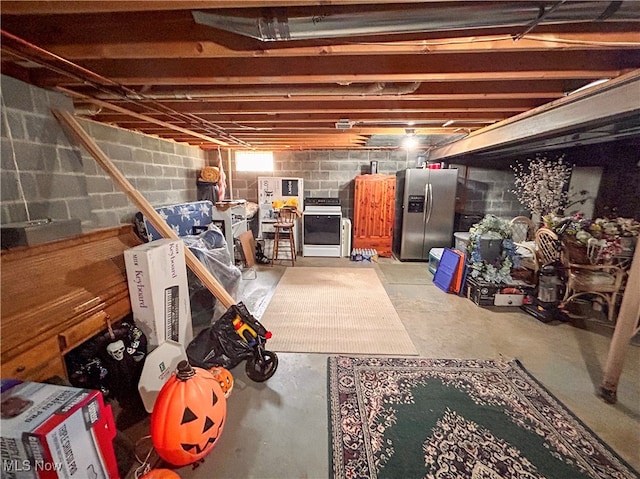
column 430, row 195
column 425, row 205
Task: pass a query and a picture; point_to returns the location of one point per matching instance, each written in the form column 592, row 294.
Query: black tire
column 262, row 366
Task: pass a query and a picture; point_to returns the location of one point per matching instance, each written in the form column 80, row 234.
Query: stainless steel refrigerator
column 425, row 204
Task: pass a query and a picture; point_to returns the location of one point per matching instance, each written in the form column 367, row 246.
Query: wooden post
column 143, row 205
column 229, row 173
column 627, row 325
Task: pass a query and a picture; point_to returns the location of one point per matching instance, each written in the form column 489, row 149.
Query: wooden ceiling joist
column 148, row 66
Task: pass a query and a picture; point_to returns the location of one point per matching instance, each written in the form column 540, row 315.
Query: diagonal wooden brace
column 76, row 130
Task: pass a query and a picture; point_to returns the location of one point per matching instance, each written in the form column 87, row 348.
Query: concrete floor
column 279, row 429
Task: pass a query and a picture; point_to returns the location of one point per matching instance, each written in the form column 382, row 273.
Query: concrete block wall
column 487, row 191
column 45, row 175
column 331, row 173
column 325, row 172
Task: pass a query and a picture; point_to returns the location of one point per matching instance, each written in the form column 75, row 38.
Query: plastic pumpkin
column 161, row 474
column 188, row 416
column 224, row 377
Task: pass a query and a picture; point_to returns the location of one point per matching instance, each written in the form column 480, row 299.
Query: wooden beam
column 361, row 69
column 76, row 130
column 141, row 116
column 627, row 326
column 273, row 121
column 30, row 7
column 100, row 47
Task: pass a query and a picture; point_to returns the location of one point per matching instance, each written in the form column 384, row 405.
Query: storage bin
column 434, row 259
column 490, row 248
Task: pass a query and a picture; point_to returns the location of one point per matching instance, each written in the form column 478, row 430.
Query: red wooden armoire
column 374, row 210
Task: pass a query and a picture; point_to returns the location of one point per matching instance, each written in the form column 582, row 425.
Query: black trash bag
column 222, row 344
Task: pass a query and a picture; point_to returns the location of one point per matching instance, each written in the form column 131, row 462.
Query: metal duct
column 275, row 24
column 364, row 90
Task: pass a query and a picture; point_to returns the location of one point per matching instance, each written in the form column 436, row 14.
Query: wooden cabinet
column 374, row 209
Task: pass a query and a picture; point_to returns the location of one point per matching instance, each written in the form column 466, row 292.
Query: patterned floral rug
column 455, row 419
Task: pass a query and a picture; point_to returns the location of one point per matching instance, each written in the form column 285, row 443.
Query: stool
column 284, row 232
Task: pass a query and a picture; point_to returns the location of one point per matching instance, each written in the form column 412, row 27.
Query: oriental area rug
column 334, row 310
column 456, row 419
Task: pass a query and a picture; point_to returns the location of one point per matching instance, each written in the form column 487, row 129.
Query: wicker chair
column 603, row 280
column 522, row 229
column 548, row 247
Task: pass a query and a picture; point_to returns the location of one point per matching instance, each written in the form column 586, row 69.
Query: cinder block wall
column 45, row 175
column 325, row 172
column 331, row 173
column 487, row 191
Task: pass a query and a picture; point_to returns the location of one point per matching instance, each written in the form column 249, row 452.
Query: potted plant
column 541, row 185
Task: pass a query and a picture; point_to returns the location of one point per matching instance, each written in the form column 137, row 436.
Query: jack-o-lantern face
column 224, row 377
column 188, row 415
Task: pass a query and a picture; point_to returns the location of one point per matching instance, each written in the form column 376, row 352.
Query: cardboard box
column 159, row 365
column 491, row 294
column 55, row 432
column 504, row 299
column 157, row 278
column 481, row 292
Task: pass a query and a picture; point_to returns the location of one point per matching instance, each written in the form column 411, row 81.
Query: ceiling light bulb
column 410, row 142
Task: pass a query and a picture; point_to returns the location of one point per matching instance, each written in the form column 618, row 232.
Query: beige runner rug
column 334, row 310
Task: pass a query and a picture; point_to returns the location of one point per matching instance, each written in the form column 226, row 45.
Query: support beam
column 627, row 326
column 615, row 99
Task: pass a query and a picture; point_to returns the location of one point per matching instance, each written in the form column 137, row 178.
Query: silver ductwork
column 273, row 24
column 363, row 90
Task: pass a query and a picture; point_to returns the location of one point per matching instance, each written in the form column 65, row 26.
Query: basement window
column 254, row 161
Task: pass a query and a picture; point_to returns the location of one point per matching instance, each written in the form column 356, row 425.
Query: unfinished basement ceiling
column 307, row 75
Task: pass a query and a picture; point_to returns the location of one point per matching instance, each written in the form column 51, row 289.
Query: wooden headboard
column 57, row 295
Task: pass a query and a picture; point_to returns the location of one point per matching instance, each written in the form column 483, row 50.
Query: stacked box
column 157, row 279
column 55, row 432
column 491, row 294
column 364, row 254
column 481, row 292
